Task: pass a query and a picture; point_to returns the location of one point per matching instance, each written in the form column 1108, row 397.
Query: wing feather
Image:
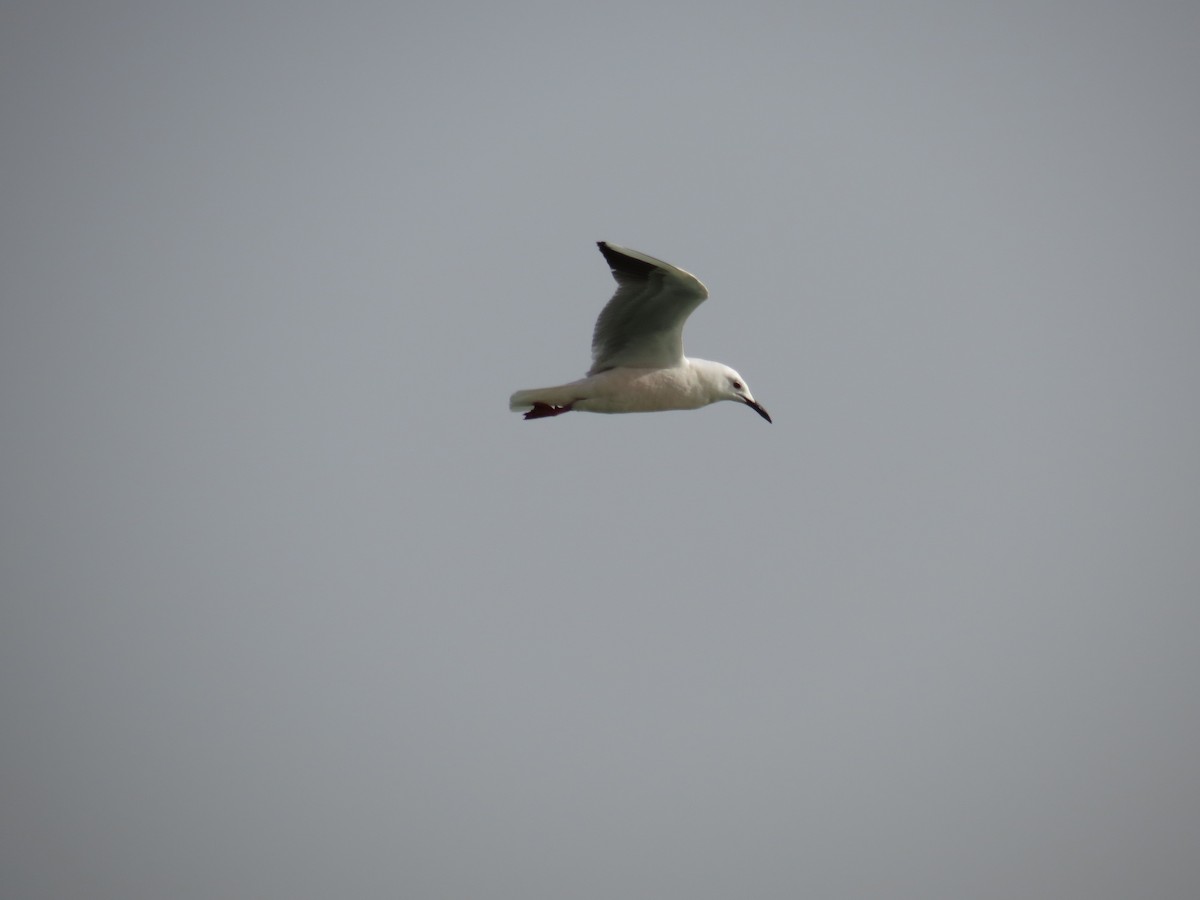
column 642, row 325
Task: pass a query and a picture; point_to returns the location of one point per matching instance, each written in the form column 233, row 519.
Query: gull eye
column 737, row 385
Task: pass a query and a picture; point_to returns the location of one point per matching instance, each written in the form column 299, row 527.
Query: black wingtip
column 621, row 263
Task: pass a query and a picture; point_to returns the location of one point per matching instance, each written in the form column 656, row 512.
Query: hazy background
column 294, row 607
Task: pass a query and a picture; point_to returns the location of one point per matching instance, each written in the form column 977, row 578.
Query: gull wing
column 642, row 325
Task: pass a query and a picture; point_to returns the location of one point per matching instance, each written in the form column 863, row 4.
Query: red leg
column 545, row 410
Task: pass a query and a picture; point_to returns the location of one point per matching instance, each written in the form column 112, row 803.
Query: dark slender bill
column 758, row 408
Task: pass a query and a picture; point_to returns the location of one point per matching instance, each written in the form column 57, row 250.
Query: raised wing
column 642, row 325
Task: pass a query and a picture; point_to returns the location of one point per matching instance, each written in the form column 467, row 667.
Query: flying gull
column 637, row 349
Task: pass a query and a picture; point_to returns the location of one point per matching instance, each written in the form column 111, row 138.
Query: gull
column 637, row 349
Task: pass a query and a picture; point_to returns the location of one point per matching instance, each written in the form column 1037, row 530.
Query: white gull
column 637, row 349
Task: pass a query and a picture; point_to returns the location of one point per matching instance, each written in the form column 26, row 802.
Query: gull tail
column 562, row 395
column 524, row 400
column 537, row 402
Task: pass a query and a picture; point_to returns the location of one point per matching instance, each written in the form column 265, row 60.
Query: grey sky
column 294, row 607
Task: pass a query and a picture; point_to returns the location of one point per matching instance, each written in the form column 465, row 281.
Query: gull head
column 723, row 383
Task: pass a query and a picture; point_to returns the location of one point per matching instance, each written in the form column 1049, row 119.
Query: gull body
column 637, row 350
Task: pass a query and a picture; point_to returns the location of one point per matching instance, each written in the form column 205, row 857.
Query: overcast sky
column 293, row 606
